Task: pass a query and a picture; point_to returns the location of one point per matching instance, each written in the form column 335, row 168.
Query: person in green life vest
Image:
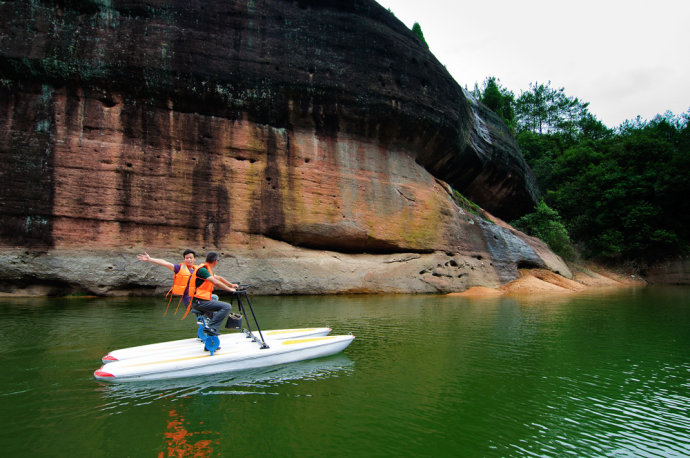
column 204, row 300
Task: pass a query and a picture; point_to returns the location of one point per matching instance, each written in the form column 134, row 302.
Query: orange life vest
column 181, row 280
column 203, row 292
column 181, row 283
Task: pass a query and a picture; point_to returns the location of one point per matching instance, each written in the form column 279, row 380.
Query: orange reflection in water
column 179, row 440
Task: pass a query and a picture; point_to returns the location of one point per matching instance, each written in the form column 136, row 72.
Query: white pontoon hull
column 245, row 355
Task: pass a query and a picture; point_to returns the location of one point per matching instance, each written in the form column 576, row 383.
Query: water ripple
column 427, row 376
column 255, row 382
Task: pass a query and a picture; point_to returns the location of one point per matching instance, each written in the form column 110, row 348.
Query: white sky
column 625, row 57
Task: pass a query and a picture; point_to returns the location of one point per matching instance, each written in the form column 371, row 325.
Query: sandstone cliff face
column 269, row 130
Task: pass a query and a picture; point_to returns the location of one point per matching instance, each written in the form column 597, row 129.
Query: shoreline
column 542, row 281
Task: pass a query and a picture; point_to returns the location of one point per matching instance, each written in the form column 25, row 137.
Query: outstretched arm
column 161, row 262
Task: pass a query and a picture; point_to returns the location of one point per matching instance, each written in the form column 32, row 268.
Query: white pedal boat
column 235, row 355
column 181, row 347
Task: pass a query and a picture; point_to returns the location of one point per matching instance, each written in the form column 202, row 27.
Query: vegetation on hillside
column 417, row 30
column 617, row 195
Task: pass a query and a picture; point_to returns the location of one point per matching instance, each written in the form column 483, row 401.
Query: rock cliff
column 313, row 142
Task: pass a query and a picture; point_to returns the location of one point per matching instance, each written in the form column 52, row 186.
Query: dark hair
column 187, row 251
column 212, row 256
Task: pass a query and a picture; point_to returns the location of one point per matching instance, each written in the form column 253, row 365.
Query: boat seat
column 202, row 322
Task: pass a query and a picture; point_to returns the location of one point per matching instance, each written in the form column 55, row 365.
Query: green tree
column 621, row 197
column 545, row 223
column 497, row 98
column 417, row 30
column 545, row 110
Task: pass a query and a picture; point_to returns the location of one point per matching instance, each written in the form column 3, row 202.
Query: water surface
column 594, row 374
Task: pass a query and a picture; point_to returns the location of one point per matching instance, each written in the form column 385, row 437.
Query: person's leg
column 219, row 309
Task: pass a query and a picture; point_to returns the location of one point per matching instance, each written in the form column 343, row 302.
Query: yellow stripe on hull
column 169, row 360
column 188, row 347
column 175, row 360
column 311, row 339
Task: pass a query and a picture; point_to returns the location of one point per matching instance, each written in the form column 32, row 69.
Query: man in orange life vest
column 182, row 271
column 203, row 300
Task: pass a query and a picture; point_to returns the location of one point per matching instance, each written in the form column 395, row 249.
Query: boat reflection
column 252, row 381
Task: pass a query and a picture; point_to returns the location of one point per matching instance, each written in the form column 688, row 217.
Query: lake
column 603, row 373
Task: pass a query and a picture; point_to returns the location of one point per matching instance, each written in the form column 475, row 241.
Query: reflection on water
column 182, row 442
column 182, row 437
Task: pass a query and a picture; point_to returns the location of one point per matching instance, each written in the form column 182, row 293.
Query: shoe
column 211, row 331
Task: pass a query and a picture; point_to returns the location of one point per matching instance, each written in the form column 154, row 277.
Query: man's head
column 189, row 257
column 212, row 258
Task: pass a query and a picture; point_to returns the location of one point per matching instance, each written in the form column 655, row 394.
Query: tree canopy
column 417, row 30
column 497, row 98
column 616, row 194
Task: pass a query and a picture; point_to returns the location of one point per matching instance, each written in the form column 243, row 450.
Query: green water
column 601, row 374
